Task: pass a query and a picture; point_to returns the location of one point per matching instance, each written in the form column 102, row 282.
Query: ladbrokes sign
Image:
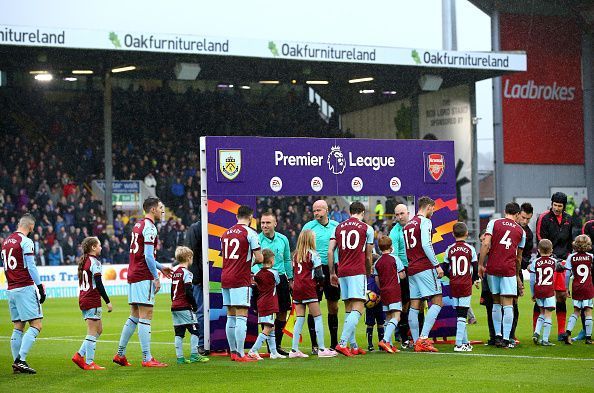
column 545, row 102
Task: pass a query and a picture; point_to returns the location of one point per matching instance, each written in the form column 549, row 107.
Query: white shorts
column 583, row 303
column 306, row 301
column 142, row 293
column 237, row 297
column 548, row 302
column 353, row 287
column 266, row 319
column 505, row 286
column 393, row 307
column 461, row 301
column 92, row 313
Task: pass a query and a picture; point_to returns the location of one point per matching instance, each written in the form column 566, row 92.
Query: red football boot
column 121, row 360
column 344, row 350
column 153, row 363
column 93, row 366
column 79, row 360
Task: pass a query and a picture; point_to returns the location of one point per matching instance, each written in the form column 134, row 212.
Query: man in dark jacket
column 526, row 212
column 556, row 225
column 194, row 242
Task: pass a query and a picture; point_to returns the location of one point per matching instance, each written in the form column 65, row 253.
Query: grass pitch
column 527, row 368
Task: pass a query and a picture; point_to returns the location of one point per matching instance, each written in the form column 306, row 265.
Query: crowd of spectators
column 52, row 149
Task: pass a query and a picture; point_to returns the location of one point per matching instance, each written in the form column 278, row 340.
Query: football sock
column 144, row 335
column 390, row 329
column 319, row 325
column 91, row 342
column 546, row 330
column 512, row 334
column 258, row 344
column 403, row 326
column 15, row 343
column 539, row 323
column 430, row 320
column 561, row 310
column 127, row 332
column 466, row 340
column 589, row 326
column 279, row 325
column 583, row 315
column 460, row 329
column 28, row 341
column 508, row 320
column 353, row 339
column 381, row 332
column 489, row 307
column 240, row 333
column 369, row 333
column 311, row 326
column 179, row 347
column 272, row 343
column 299, row 321
column 413, row 322
column 571, row 322
column 421, row 318
column 230, row 330
column 535, row 316
column 333, row 327
column 348, row 333
column 497, row 317
column 194, row 344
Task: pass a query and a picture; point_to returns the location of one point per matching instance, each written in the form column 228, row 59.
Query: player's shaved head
column 320, row 211
column 26, row 220
column 320, row 204
column 401, row 213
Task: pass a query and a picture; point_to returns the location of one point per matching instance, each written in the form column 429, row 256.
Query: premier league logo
column 230, row 163
column 336, row 161
column 436, row 165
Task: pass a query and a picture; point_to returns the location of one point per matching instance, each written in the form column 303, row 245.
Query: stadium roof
column 581, row 9
column 342, row 95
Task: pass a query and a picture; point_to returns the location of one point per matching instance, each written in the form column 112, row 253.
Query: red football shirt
column 506, row 237
column 386, row 269
column 143, row 233
column 413, row 232
column 460, row 256
column 237, row 246
column 179, row 279
column 580, row 264
column 267, row 280
column 14, row 249
column 88, row 295
column 352, row 237
column 543, row 269
column 304, row 285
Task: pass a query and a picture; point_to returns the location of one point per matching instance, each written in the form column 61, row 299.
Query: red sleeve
column 538, row 226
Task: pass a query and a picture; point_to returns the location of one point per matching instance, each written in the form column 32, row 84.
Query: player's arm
column 568, row 272
column 287, row 259
column 101, row 289
column 34, row 273
column 428, row 246
column 369, row 249
column 163, row 269
column 189, row 292
column 318, row 273
column 485, row 247
column 254, row 242
column 445, row 265
column 331, row 268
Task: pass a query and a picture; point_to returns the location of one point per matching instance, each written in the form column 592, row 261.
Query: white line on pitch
column 493, row 355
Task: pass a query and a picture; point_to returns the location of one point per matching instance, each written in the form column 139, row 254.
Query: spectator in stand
column 55, row 256
column 151, row 183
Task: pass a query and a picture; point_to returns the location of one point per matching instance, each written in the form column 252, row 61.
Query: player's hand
column 157, row 284
column 334, row 280
column 476, row 284
column 41, row 293
column 291, row 284
column 568, row 294
column 439, row 272
column 521, row 290
column 109, row 307
column 481, row 272
column 167, row 271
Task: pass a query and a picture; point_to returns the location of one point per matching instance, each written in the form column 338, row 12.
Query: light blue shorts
column 237, row 297
column 424, row 284
column 141, row 292
column 353, row 287
column 92, row 313
column 266, row 319
column 24, row 304
column 393, row 307
column 461, row 301
column 183, row 317
column 583, row 303
column 506, row 286
column 548, row 302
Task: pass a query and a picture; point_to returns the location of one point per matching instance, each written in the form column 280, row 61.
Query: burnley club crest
column 230, row 163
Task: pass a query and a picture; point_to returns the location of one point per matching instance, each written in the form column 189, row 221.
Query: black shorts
column 404, row 289
column 330, row 292
column 283, row 291
column 375, row 315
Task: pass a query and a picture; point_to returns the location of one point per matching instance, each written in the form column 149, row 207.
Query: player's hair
column 184, row 255
column 244, row 211
column 87, row 245
column 149, row 203
column 512, row 208
column 460, row 230
column 527, row 208
column 305, row 243
column 384, row 243
column 268, row 255
column 545, row 246
column 582, row 243
column 26, row 219
column 357, row 208
column 269, row 214
column 425, row 201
